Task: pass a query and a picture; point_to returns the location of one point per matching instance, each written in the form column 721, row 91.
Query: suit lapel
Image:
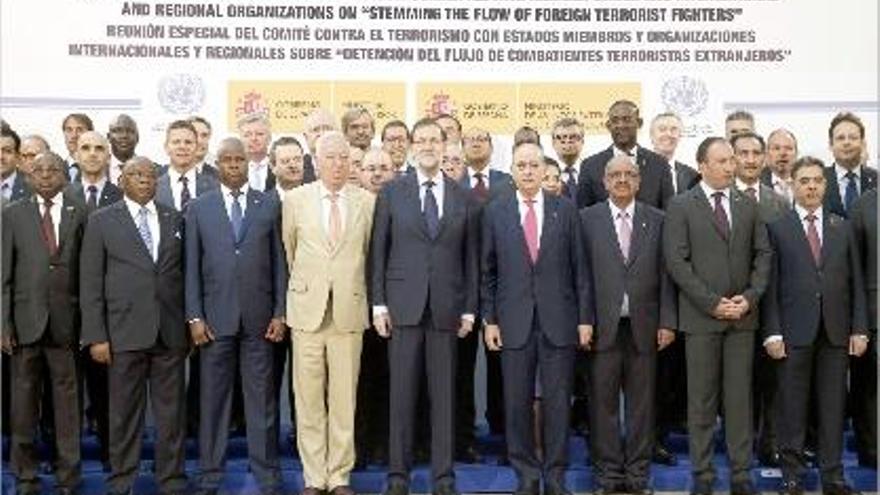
column 123, row 216
column 449, row 203
column 414, row 203
column 699, row 197
column 166, row 231
column 163, row 190
column 639, row 231
column 736, row 214
column 352, row 209
column 869, row 180
column 548, row 229
column 611, row 233
column 318, row 202
column 68, row 210
column 254, row 203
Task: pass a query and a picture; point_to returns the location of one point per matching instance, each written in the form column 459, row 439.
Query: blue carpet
column 487, row 477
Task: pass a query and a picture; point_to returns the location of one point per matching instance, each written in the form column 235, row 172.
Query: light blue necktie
column 235, row 214
column 144, row 230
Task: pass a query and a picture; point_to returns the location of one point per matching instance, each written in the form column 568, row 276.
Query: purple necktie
column 721, row 220
column 813, row 238
column 624, row 233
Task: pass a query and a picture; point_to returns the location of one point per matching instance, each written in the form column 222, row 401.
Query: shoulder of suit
column 650, row 211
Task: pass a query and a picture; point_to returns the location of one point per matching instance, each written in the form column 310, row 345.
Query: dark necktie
column 185, row 195
column 430, row 210
column 752, row 193
column 235, row 214
column 813, row 238
column 480, row 189
column 571, row 183
column 92, row 201
column 48, row 228
column 852, row 190
column 721, row 220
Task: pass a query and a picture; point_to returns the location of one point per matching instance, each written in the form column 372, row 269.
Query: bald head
column 93, row 156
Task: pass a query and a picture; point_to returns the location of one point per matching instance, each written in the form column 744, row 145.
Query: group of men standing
column 639, row 269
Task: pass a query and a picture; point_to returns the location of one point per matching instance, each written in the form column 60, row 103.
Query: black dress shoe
column 809, row 456
column 769, row 458
column 742, row 488
column 468, row 455
column 379, row 456
column 527, row 488
column 663, row 456
column 702, row 488
column 445, row 489
column 839, row 489
column 555, row 488
column 791, row 487
column 396, row 488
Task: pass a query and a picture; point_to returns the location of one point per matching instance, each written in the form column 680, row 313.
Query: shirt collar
column 630, row 209
column 56, row 200
column 99, row 185
column 325, row 193
column 134, row 207
column 226, row 191
column 802, row 213
column 422, row 178
column 634, row 152
column 538, row 199
column 709, row 191
column 260, row 164
column 742, row 186
column 175, row 176
column 11, row 178
column 841, row 172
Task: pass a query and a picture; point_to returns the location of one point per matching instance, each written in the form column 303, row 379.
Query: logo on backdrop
column 181, row 93
column 685, row 95
column 440, row 104
column 251, row 103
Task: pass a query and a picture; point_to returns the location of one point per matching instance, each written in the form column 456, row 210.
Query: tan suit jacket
column 317, row 269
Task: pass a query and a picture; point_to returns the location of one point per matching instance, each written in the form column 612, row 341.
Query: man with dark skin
column 123, row 136
column 42, row 237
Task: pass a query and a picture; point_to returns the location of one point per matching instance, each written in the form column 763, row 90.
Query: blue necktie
column 235, row 214
column 571, row 183
column 185, row 195
column 852, row 191
column 144, row 230
column 432, row 215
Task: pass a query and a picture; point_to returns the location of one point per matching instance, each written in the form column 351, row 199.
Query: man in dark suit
column 568, row 143
column 635, row 317
column 671, row 392
column 863, row 374
column 203, row 142
column 847, row 178
column 133, row 321
column 425, row 265
column 235, row 290
column 782, row 151
column 485, row 184
column 749, row 153
column 815, row 313
column 395, row 141
column 181, row 183
column 13, row 182
column 623, row 123
column 536, row 307
column 124, row 137
column 715, row 246
column 73, row 126
column 42, row 237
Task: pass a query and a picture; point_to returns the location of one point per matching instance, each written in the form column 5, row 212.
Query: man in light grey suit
column 748, row 151
column 634, row 301
column 716, row 250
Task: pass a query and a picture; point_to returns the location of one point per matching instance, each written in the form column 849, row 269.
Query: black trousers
column 371, row 421
column 160, row 372
column 671, row 382
column 863, row 400
column 465, row 412
column 94, row 376
column 31, row 365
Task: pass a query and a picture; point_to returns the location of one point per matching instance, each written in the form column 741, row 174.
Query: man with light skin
column 395, row 141
column 451, row 126
column 376, row 170
column 14, row 185
column 31, row 146
column 317, row 123
column 73, row 126
column 203, row 141
column 286, row 157
column 568, row 142
column 848, row 178
column 453, row 162
column 326, row 234
column 665, row 135
column 358, row 127
column 782, row 151
column 123, row 135
column 356, row 158
column 738, row 122
column 255, row 131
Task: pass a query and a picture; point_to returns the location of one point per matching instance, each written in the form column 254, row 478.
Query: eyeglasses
column 627, row 174
column 567, row 137
column 430, row 142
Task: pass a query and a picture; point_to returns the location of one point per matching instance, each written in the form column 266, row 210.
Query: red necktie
column 480, row 190
column 813, row 238
column 530, row 228
column 48, row 228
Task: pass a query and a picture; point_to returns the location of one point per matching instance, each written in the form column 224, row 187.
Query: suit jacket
column 686, row 177
column 20, row 187
column 556, row 290
column 309, row 174
column 109, row 195
column 126, row 298
column 833, row 202
column 500, row 183
column 318, row 269
column 770, row 203
column 234, row 283
column 204, row 183
column 863, row 216
column 655, row 187
column 410, row 270
column 803, row 298
column 41, row 291
column 642, row 276
column 706, row 267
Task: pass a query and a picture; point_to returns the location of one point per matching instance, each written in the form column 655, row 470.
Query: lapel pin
column 177, row 234
column 69, row 208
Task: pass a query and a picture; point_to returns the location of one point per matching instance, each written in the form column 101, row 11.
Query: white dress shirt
column 228, row 198
column 98, row 185
column 326, row 205
column 802, row 215
column 633, row 153
column 258, row 172
column 8, row 184
column 177, row 186
column 473, row 180
column 54, row 212
column 439, row 189
column 842, row 181
column 115, row 169
column 630, row 211
column 538, row 206
column 742, row 186
column 152, row 221
column 725, row 200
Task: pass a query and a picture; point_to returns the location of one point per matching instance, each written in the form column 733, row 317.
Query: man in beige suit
column 326, row 230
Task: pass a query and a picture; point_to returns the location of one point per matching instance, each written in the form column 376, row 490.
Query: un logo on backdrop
column 685, row 95
column 181, row 93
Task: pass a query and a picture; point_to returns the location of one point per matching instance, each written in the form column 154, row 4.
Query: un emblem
column 181, row 93
column 685, row 96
